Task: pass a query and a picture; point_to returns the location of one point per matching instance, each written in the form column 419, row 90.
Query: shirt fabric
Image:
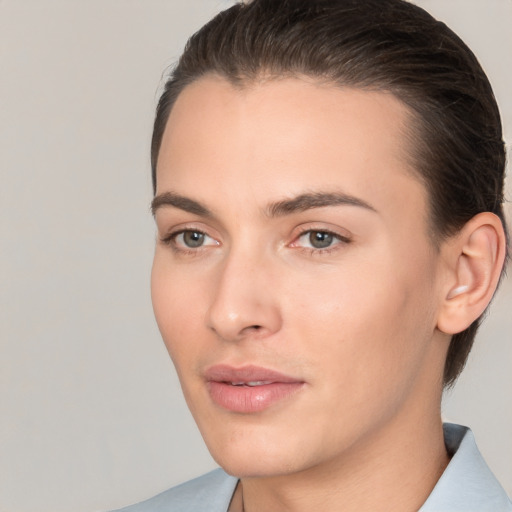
column 467, row 485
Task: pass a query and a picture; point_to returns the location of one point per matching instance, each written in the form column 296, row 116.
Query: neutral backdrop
column 91, row 415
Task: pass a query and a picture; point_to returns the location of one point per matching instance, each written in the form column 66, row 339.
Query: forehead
column 276, row 138
column 288, row 109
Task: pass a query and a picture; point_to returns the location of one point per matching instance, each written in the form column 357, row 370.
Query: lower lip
column 249, row 399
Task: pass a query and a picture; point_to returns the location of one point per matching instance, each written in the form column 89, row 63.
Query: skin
column 358, row 323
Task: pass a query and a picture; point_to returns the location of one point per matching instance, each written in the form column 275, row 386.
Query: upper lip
column 244, row 374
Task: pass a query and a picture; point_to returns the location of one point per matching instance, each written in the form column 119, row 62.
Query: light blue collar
column 467, row 484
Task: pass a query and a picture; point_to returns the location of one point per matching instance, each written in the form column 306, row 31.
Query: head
column 401, row 105
column 455, row 134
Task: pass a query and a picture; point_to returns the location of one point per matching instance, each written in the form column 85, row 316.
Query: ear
column 475, row 258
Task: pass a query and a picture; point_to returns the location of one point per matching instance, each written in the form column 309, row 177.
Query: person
column 328, row 180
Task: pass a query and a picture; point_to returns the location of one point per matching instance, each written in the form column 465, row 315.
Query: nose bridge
column 243, row 301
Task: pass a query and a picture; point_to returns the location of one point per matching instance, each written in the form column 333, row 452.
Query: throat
column 237, row 501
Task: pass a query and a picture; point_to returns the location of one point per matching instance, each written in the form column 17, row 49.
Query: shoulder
column 209, row 493
column 467, row 484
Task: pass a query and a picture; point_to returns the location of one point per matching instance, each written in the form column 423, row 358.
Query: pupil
column 193, row 238
column 320, row 239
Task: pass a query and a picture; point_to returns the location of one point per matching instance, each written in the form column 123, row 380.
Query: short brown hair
column 386, row 45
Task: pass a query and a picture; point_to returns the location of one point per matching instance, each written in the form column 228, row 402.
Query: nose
column 244, row 302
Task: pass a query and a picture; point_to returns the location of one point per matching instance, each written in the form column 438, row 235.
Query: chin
column 257, row 467
column 248, row 452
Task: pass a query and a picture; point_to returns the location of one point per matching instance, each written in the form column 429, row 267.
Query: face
column 294, row 280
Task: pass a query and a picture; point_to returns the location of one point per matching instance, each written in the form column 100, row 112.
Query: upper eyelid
column 175, row 233
column 184, row 227
column 339, row 238
column 339, row 233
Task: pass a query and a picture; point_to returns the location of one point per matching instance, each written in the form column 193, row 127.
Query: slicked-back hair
column 455, row 133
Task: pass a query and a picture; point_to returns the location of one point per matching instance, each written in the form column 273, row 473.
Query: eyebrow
column 180, row 202
column 308, row 201
column 300, row 203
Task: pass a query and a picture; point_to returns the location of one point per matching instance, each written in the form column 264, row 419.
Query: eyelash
column 170, row 241
column 312, row 251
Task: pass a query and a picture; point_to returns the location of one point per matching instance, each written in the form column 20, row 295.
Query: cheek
column 366, row 325
column 172, row 295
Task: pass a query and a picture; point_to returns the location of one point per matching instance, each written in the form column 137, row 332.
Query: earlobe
column 476, row 258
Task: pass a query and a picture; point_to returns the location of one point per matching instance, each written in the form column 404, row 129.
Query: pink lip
column 230, row 387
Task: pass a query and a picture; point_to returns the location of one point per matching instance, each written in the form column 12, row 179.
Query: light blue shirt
column 467, row 485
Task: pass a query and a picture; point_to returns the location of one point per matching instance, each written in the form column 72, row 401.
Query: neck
column 399, row 466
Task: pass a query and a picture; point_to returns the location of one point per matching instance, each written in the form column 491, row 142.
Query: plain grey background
column 91, row 416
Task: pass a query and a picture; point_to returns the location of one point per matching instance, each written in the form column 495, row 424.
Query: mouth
column 249, row 389
column 252, row 384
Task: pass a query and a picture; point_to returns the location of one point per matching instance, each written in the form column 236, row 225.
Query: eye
column 189, row 239
column 319, row 240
